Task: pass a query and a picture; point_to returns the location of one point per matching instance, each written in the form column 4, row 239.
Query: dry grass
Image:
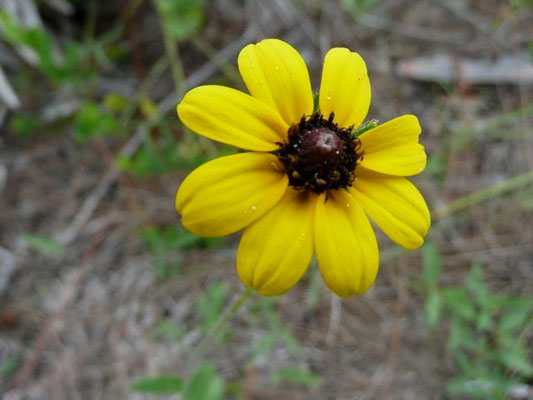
column 83, row 324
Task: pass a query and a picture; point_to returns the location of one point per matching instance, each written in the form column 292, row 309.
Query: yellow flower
column 308, row 184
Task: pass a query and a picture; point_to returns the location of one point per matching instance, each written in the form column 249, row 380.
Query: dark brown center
column 318, row 155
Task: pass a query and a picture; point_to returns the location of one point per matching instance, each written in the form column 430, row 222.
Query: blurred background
column 103, row 295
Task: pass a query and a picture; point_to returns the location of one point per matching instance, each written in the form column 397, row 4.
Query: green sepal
column 365, row 127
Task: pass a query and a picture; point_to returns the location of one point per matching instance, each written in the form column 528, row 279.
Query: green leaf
column 212, row 304
column 182, row 18
column 517, row 316
column 9, row 366
column 168, row 329
column 464, row 362
column 436, row 166
column 358, row 8
column 431, row 263
column 296, row 375
column 433, row 309
column 171, row 238
column 26, row 124
column 461, row 336
column 459, row 303
column 205, row 384
column 44, row 244
column 162, row 154
column 115, row 102
column 93, row 122
column 517, row 360
column 159, row 385
column 484, row 321
column 476, row 286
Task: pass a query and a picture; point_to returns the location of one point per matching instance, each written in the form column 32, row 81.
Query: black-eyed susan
column 310, row 181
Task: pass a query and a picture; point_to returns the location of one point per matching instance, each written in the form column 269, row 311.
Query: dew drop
column 277, row 68
column 348, row 205
column 254, row 208
column 328, row 97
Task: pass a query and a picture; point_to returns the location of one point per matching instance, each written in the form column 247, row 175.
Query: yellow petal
column 395, row 205
column 276, row 250
column 275, row 73
column 346, row 247
column 225, row 195
column 345, row 88
column 230, row 116
column 392, row 148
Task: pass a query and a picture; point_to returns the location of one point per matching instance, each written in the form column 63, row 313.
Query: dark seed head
column 320, row 144
column 318, row 155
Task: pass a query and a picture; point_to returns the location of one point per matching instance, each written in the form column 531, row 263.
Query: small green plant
column 160, row 154
column 163, row 242
column 358, row 8
column 159, row 385
column 44, row 244
column 203, row 384
column 487, row 334
column 73, row 66
column 521, row 4
column 211, row 305
column 8, row 368
column 182, row 18
column 25, row 124
column 168, row 329
column 175, row 238
column 300, row 376
column 94, row 121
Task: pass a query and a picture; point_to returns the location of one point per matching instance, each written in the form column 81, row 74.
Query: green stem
column 483, row 195
column 222, row 322
column 172, row 51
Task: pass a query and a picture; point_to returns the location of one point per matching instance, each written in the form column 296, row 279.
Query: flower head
column 309, row 182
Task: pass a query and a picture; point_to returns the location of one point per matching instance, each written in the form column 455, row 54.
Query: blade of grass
column 482, row 195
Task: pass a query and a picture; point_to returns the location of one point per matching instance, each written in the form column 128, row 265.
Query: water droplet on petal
column 254, row 208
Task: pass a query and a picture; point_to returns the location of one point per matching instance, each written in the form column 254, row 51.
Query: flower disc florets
column 319, row 155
